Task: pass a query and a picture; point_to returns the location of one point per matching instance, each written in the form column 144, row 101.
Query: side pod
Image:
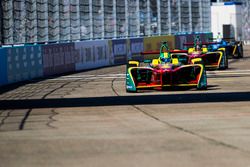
column 133, row 63
column 202, row 84
column 224, row 61
column 130, row 84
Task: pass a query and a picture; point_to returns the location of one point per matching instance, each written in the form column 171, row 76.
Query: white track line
column 122, row 75
column 230, row 71
column 103, row 75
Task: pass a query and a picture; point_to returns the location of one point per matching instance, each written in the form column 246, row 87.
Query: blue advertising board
column 136, row 46
column 92, row 54
column 3, row 67
column 24, row 63
column 119, row 51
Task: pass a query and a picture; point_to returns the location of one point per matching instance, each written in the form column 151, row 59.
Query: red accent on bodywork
column 169, row 51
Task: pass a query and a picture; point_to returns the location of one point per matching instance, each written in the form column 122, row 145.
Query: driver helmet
column 165, row 60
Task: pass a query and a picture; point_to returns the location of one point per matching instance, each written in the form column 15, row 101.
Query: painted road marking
column 226, row 73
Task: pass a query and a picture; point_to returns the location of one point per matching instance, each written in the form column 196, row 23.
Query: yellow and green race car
column 171, row 69
column 213, row 59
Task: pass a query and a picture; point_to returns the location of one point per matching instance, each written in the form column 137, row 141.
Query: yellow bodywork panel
column 155, row 62
column 223, row 49
column 195, row 60
column 191, row 50
column 134, row 63
column 235, row 47
column 204, row 50
column 175, row 61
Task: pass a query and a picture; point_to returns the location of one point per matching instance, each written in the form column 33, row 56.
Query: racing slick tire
column 202, row 88
column 226, row 63
column 240, row 46
column 239, row 51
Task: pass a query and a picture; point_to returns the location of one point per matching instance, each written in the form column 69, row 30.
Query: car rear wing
column 202, row 43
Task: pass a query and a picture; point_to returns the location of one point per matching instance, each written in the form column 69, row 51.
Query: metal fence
column 30, row 21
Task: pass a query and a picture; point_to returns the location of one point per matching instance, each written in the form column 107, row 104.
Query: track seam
column 5, row 118
column 21, row 126
column 52, row 119
column 44, row 96
column 211, row 140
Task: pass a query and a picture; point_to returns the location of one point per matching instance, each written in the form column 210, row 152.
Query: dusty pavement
column 87, row 119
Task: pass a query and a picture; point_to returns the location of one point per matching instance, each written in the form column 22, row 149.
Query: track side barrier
column 58, row 58
column 92, row 54
column 119, row 51
column 3, row 67
column 135, row 47
column 24, row 63
column 180, row 39
column 205, row 37
column 20, row 63
column 154, row 43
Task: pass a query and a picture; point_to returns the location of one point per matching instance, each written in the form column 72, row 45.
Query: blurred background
column 42, row 21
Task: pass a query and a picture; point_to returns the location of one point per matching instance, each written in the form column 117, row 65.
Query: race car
column 213, row 59
column 171, row 69
column 233, row 48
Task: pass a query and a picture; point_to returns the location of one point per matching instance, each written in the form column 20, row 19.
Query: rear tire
column 240, row 50
column 202, row 88
column 226, row 62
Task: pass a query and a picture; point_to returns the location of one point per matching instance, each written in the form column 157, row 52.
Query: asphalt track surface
column 87, row 119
